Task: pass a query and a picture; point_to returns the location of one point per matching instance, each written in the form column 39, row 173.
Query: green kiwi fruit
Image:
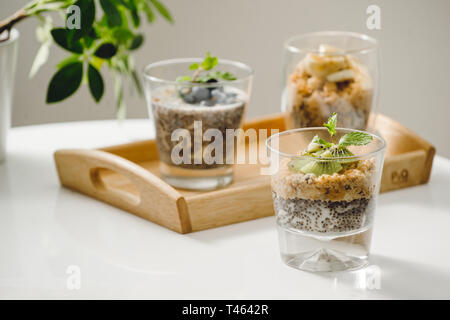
column 295, row 165
column 318, row 167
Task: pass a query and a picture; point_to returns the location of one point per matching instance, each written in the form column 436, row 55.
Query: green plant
column 93, row 42
column 201, row 76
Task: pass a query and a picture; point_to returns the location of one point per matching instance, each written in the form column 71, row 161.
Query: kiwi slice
column 295, row 165
column 341, row 152
column 318, row 168
column 313, row 147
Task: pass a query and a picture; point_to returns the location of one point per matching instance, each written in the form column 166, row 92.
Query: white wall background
column 415, row 50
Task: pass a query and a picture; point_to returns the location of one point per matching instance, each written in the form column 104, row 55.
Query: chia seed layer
column 323, row 216
column 340, row 202
column 172, row 113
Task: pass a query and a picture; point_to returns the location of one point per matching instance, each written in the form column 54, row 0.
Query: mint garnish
column 320, row 148
column 331, row 124
column 355, row 139
column 202, row 76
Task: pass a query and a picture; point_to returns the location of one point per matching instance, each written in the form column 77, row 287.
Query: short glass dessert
column 191, row 112
column 327, row 72
column 324, row 193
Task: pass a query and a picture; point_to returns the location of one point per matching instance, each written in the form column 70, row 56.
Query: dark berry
column 186, row 94
column 201, row 94
column 219, row 95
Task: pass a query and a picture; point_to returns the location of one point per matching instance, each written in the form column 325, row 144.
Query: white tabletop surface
column 52, row 239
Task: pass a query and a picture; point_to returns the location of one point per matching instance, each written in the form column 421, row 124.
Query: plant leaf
column 68, row 60
column 111, row 12
column 124, row 3
column 209, row 62
column 65, row 82
column 123, row 35
column 149, row 12
column 121, row 108
column 162, row 10
column 355, row 138
column 40, row 59
column 61, row 37
column 96, row 85
column 44, row 29
column 183, row 78
column 227, row 76
column 87, row 12
column 87, row 41
column 137, row 81
column 134, row 13
column 136, row 42
column 331, row 124
column 194, row 66
column 106, row 51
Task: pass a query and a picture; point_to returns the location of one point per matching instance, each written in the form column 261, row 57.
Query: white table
column 49, row 235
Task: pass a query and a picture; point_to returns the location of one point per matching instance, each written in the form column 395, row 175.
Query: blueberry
column 189, row 98
column 219, row 95
column 186, row 94
column 218, row 87
column 201, row 94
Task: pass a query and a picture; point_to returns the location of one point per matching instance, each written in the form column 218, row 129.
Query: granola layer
column 355, row 182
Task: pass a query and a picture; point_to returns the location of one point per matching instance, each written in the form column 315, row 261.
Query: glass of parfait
column 327, row 72
column 193, row 103
column 324, row 194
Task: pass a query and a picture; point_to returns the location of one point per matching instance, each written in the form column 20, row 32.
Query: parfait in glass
column 327, row 72
column 325, row 184
column 194, row 103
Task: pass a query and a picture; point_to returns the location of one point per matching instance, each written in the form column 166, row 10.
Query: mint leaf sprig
column 320, row 148
column 199, row 75
column 355, row 139
column 331, row 125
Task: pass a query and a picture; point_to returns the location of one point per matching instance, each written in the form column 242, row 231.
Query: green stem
column 196, row 74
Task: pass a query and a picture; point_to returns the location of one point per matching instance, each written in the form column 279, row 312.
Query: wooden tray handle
column 155, row 200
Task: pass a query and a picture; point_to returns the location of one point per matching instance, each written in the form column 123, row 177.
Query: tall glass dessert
column 325, row 184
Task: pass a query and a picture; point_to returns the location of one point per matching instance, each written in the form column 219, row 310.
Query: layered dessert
column 326, row 82
column 218, row 108
column 341, row 202
column 327, row 190
column 206, row 99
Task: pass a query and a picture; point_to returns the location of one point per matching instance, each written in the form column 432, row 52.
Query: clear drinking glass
column 188, row 116
column 324, row 222
column 327, row 72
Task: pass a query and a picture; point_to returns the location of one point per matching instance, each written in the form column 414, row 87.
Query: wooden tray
column 126, row 176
